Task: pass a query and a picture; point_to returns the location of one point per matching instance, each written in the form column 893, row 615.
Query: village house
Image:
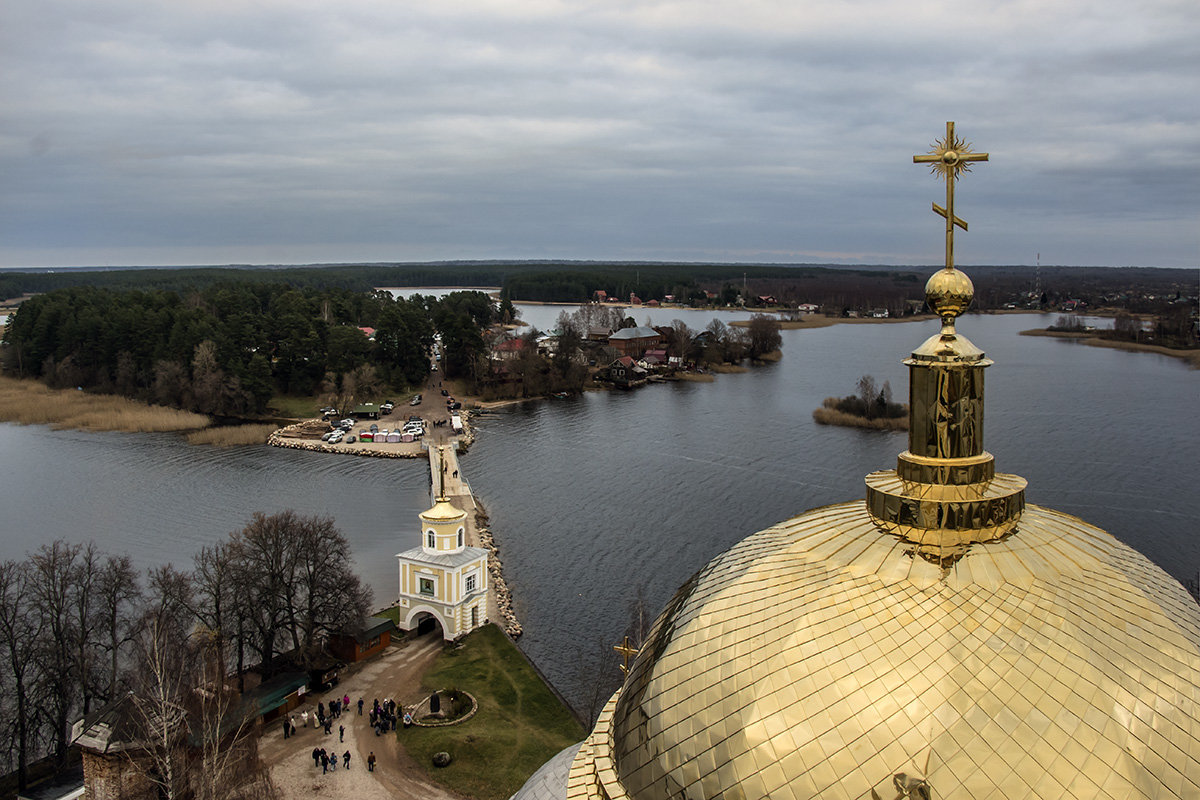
column 635, row 341
column 508, row 349
column 625, row 372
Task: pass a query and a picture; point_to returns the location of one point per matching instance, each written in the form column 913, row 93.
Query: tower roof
column 443, row 511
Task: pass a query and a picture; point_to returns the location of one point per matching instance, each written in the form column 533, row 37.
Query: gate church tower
column 443, row 579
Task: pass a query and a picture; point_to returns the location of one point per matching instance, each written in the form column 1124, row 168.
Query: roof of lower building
column 445, row 560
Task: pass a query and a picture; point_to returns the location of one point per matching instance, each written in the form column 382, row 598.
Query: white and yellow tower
column 443, row 579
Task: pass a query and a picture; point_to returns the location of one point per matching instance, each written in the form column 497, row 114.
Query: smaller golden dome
column 949, row 292
column 443, row 511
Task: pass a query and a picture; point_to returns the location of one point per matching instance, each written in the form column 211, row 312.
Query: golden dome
column 822, row 657
column 443, row 511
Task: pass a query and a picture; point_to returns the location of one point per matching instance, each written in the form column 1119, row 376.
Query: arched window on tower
column 460, row 537
column 429, row 540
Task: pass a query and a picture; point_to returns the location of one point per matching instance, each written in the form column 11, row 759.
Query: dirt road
column 395, row 674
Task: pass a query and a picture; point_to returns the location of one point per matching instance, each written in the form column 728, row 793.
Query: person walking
column 341, row 733
column 360, row 705
column 324, row 762
column 316, row 757
column 371, row 762
column 287, row 729
column 346, row 760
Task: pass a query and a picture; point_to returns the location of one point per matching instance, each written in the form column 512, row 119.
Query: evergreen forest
column 227, row 348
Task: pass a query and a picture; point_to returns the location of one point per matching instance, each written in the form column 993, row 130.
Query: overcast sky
column 304, row 131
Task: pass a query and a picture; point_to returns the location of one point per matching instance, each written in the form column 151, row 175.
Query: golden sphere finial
column 949, row 292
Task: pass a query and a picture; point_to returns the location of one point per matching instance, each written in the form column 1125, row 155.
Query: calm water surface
column 595, row 498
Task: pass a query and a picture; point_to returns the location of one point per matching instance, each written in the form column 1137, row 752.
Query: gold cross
column 949, row 157
column 627, row 651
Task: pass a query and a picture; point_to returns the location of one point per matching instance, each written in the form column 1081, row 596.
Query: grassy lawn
column 296, row 407
column 392, row 613
column 519, row 726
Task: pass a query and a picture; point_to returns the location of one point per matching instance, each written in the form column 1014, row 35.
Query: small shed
column 278, row 695
column 366, row 410
column 374, row 637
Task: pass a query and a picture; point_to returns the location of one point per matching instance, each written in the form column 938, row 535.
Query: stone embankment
column 504, row 604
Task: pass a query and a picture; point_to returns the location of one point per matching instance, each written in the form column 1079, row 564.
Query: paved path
column 396, row 673
column 445, row 472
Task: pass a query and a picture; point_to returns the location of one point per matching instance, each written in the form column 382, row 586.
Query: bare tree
column 328, row 596
column 215, row 602
column 52, row 574
column 763, row 335
column 117, row 594
column 226, row 764
column 265, row 564
column 164, row 670
column 20, row 629
column 85, row 574
column 683, row 340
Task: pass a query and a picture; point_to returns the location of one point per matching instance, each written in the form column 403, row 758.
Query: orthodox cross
column 627, row 651
column 949, row 157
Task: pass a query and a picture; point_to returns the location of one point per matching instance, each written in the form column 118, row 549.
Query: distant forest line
column 832, row 287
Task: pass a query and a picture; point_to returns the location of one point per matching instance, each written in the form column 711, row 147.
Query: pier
column 446, row 480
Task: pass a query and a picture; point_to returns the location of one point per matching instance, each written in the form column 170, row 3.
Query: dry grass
column 1192, row 357
column 32, row 403
column 232, row 435
column 774, row 355
column 828, row 415
column 726, row 368
column 695, row 377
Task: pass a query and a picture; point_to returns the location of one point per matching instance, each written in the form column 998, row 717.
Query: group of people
column 382, row 717
column 329, row 761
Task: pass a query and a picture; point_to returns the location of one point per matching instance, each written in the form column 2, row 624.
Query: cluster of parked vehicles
column 410, row 431
column 413, row 430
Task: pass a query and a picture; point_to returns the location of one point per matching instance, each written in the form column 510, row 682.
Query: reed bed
column 232, row 435
column 32, row 403
column 828, row 415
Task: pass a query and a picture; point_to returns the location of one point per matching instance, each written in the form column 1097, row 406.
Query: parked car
column 350, row 439
column 325, row 436
column 374, row 427
column 336, row 438
column 445, row 392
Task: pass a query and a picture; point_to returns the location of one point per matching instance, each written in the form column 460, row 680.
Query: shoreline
column 1093, row 339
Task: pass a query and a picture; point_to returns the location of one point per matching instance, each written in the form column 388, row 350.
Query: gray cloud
column 306, row 131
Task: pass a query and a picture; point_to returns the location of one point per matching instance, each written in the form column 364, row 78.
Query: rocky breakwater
column 504, row 605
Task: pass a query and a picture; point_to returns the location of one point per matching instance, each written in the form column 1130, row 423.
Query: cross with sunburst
column 949, row 157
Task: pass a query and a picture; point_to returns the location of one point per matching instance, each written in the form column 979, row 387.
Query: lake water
column 597, row 497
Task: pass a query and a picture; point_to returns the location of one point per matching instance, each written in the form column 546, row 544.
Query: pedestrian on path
column 360, row 705
column 371, row 762
column 346, row 759
column 287, row 729
column 316, row 757
column 341, row 733
column 324, row 762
